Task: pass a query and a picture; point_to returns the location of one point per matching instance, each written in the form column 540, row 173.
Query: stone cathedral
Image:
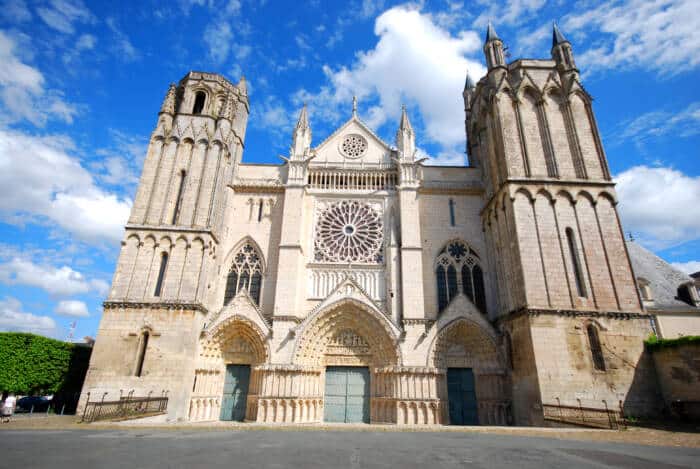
column 354, row 282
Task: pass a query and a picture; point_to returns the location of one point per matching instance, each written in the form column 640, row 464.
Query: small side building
column 667, row 293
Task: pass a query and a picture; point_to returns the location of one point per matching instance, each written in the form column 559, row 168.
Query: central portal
column 347, row 394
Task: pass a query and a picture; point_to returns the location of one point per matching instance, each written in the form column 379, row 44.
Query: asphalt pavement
column 136, row 448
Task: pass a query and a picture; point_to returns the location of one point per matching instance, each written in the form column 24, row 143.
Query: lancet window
column 458, row 270
column 245, row 274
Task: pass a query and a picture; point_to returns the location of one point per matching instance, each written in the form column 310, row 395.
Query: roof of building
column 663, row 278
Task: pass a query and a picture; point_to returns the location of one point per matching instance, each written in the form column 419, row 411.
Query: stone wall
column 566, row 371
column 168, row 364
column 678, row 371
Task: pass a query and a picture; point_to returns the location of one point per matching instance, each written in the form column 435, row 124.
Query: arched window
column 245, row 275
column 199, row 99
column 578, row 273
column 161, row 273
column 178, row 202
column 452, row 212
column 458, row 265
column 596, row 349
column 141, row 355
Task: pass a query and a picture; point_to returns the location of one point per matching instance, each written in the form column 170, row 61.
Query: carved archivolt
column 346, row 334
column 236, row 340
column 464, row 344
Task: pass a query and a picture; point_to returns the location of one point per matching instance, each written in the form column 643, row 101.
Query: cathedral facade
column 354, row 282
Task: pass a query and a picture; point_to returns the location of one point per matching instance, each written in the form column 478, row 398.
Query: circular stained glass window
column 349, row 231
column 353, row 146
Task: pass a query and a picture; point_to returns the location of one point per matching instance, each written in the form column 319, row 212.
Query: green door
column 461, row 396
column 347, row 394
column 235, row 396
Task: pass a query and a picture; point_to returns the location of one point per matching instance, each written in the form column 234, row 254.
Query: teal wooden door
column 461, row 396
column 233, row 403
column 347, row 394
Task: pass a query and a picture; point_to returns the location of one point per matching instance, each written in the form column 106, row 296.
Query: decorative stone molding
column 155, row 305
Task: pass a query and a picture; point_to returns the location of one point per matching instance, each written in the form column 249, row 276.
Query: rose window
column 349, row 231
column 353, row 146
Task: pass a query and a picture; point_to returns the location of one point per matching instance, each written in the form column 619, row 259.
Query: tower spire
column 491, row 34
column 557, row 36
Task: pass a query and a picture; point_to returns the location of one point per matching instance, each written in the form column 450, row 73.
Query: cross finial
column 354, row 105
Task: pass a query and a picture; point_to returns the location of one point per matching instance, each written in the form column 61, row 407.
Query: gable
column 352, row 144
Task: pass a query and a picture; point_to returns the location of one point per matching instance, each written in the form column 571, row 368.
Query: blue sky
column 81, row 85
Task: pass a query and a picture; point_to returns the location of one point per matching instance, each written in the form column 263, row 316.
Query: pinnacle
column 303, row 122
column 468, row 82
column 168, row 105
column 557, row 36
column 491, row 34
column 405, row 123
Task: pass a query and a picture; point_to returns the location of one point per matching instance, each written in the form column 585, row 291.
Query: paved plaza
column 240, row 448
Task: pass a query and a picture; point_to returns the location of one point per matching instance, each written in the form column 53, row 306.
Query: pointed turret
column 168, row 106
column 491, row 34
column 468, row 95
column 493, row 49
column 405, row 137
column 562, row 53
column 557, row 36
column 301, row 141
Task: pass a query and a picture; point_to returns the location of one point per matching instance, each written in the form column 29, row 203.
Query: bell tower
column 178, row 210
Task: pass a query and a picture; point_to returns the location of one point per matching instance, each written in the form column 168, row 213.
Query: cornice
column 171, row 305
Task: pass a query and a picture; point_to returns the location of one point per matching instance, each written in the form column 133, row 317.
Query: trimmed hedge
column 654, row 343
column 31, row 364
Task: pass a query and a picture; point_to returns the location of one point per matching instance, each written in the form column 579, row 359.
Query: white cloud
column 414, row 61
column 662, row 35
column 15, row 10
column 50, row 185
column 62, row 15
column 689, row 267
column 13, row 319
column 659, row 205
column 86, row 42
column 685, row 123
column 23, row 93
column 509, row 12
column 58, row 281
column 121, row 44
column 72, row 308
column 218, row 37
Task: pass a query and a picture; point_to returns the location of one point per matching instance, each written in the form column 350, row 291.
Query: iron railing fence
column 127, row 407
column 601, row 417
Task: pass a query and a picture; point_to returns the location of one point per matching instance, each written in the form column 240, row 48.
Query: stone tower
column 168, row 255
column 559, row 260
